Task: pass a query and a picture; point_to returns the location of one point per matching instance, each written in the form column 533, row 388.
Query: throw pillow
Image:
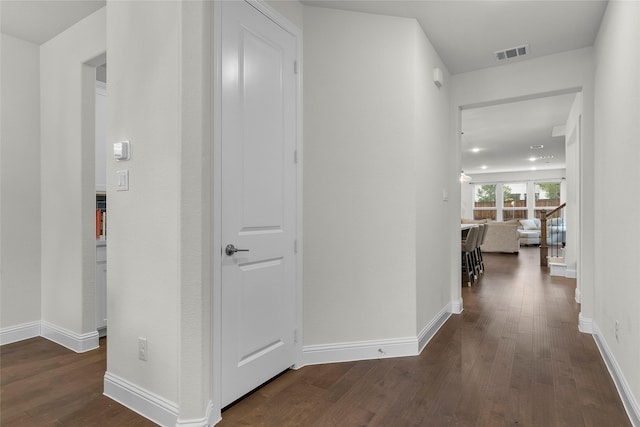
column 528, row 224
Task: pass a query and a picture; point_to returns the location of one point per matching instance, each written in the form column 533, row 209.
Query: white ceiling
column 37, row 21
column 466, row 33
column 504, row 134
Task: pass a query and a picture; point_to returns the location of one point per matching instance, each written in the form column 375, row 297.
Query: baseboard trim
column 578, row 296
column 557, row 269
column 21, row 332
column 571, row 274
column 432, row 327
column 205, row 421
column 585, row 324
column 456, row 306
column 359, row 350
column 139, row 400
column 626, row 395
column 377, row 349
column 79, row 343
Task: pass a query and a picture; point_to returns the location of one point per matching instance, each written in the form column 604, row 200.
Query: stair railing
column 558, row 239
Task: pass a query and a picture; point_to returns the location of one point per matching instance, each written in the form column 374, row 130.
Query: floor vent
column 511, row 53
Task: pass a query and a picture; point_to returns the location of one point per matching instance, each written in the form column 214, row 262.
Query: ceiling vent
column 512, row 53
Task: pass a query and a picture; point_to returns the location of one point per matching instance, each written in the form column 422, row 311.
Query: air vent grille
column 512, row 53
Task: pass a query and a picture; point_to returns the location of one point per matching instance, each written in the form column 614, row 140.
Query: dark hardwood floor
column 44, row 384
column 513, row 357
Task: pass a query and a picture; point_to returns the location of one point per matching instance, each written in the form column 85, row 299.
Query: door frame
column 216, row 187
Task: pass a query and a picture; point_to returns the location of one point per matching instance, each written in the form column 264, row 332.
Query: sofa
column 500, row 237
column 530, row 230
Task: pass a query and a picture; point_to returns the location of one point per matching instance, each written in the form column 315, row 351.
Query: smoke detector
column 511, row 53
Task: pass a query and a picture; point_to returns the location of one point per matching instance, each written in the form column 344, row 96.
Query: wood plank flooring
column 513, row 357
column 44, row 384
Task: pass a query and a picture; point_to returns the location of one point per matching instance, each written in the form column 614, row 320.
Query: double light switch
column 121, row 152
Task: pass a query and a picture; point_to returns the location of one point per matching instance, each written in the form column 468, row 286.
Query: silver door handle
column 230, row 249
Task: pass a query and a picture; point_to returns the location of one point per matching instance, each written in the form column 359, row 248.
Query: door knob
column 230, row 249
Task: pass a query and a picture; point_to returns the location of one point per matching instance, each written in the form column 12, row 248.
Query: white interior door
column 258, row 199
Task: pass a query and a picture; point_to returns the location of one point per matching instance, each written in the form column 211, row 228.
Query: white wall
column 195, row 358
column 617, row 127
column 144, row 224
column 376, row 133
column 359, row 179
column 434, row 163
column 572, row 188
column 467, row 197
column 159, row 284
column 559, row 73
column 68, row 189
column 290, row 9
column 19, row 183
column 506, row 177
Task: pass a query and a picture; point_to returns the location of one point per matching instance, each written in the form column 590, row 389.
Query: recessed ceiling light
column 483, row 167
column 536, row 147
column 532, row 159
column 534, row 168
column 475, row 149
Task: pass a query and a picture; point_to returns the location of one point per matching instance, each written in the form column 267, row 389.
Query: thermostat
column 121, row 150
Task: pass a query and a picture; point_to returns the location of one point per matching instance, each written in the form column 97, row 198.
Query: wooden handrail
column 548, row 214
column 544, row 249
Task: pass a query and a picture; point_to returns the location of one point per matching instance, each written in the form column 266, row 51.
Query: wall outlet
column 142, row 348
column 617, row 330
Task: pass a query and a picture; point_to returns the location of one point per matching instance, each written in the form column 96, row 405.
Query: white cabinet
column 101, row 287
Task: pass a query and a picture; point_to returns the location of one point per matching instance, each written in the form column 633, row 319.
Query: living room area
column 518, row 177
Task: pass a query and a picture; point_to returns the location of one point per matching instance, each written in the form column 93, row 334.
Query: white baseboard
column 585, row 324
column 578, row 296
column 628, row 399
column 359, row 350
column 571, row 274
column 432, row 327
column 19, row 332
column 376, row 349
column 139, row 400
column 456, row 306
column 73, row 341
column 207, row 420
column 557, row 269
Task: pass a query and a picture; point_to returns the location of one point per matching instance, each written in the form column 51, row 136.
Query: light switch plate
column 122, row 180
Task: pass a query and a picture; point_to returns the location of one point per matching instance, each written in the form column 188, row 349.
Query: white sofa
column 529, row 231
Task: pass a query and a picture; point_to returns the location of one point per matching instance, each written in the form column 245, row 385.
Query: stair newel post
column 544, row 249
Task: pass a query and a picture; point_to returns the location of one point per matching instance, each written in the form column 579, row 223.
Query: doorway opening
column 520, row 163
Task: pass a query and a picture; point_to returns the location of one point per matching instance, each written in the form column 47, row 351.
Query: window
column 484, row 206
column 547, row 197
column 514, row 197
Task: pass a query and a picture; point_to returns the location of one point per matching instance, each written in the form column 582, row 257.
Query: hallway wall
column 376, row 164
column 20, row 185
column 617, row 108
column 68, row 177
column 359, row 179
column 144, row 106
